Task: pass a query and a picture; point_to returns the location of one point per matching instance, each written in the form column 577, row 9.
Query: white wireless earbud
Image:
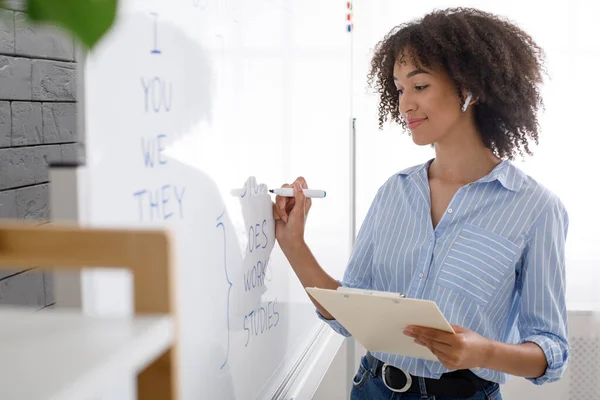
column 469, row 96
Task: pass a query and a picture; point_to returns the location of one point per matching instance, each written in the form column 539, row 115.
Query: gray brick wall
column 37, row 126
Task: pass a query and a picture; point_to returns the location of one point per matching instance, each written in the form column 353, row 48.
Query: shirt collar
column 509, row 176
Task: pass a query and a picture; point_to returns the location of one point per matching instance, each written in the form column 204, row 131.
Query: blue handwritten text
column 255, row 276
column 260, row 321
column 160, row 204
column 152, row 150
column 257, row 237
column 158, row 94
column 155, row 50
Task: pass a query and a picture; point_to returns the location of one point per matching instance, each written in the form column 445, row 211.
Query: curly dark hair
column 488, row 55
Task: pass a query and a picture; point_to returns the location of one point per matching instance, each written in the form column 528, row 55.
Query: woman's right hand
column 290, row 216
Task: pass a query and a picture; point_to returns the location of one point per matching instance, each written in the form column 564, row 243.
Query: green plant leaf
column 88, row 20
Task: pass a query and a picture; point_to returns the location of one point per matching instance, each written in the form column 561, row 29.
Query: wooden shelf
column 52, row 355
column 63, row 355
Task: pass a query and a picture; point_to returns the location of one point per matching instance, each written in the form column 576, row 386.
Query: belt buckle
column 401, row 390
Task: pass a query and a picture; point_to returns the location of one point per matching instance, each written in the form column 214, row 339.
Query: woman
column 467, row 229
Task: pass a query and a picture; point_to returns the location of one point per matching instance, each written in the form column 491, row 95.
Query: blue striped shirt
column 494, row 264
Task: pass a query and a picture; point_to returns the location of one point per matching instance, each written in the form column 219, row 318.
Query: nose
column 406, row 103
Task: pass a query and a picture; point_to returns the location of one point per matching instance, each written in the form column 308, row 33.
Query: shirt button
column 421, row 275
column 449, row 211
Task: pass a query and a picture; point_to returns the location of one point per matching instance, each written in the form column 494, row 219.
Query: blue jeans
column 368, row 386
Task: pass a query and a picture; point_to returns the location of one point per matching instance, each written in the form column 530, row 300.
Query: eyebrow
column 413, row 73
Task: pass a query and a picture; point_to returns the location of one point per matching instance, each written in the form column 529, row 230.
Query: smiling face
column 428, row 102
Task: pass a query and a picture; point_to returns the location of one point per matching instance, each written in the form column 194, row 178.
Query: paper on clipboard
column 377, row 319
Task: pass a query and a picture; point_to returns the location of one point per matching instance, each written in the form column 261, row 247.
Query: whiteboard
column 186, row 100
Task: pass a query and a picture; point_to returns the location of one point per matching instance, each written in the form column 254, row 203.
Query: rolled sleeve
column 334, row 324
column 543, row 312
column 557, row 354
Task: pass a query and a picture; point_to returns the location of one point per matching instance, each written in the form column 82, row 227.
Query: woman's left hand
column 463, row 349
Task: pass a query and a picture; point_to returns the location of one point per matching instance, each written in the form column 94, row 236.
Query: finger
column 302, row 182
column 435, row 347
column 428, row 341
column 276, row 212
column 278, row 223
column 443, row 354
column 281, row 202
column 279, row 207
column 291, row 202
column 298, row 210
column 429, row 345
column 308, row 202
column 429, row 333
column 450, row 360
column 447, row 362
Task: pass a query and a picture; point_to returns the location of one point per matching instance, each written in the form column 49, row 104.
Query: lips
column 414, row 122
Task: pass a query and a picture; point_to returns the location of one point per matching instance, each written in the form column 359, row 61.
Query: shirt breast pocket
column 477, row 264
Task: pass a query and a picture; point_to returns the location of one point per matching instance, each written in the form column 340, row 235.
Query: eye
column 400, row 91
column 421, row 87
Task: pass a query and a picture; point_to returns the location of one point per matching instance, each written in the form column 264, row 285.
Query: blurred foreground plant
column 86, row 20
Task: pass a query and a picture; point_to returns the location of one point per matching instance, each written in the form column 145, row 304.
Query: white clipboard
column 377, row 319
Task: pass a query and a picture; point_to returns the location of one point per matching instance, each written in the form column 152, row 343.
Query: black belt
column 459, row 384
